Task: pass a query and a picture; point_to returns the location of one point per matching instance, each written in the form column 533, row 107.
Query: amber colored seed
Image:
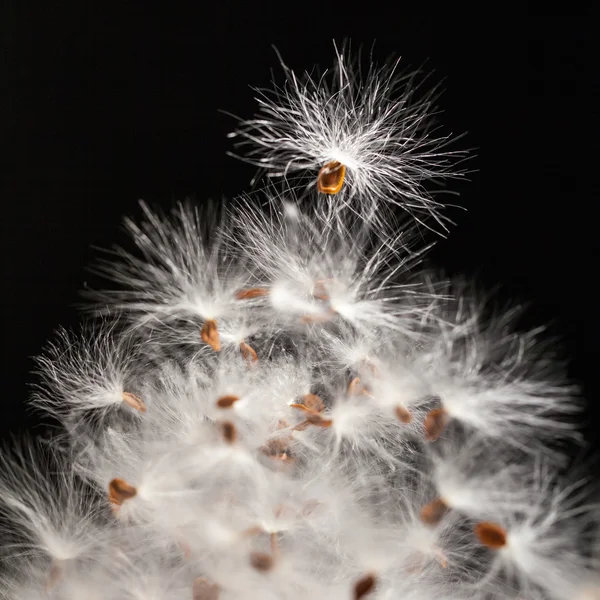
column 318, row 318
column 435, row 423
column 320, row 290
column 248, row 352
column 134, row 402
column 250, row 293
column 210, row 335
column 227, row 401
column 313, row 402
column 119, row 491
column 204, row 589
column 403, row 414
column 301, row 407
column 261, row 561
column 434, row 512
column 319, row 421
column 331, row 177
column 54, row 575
column 229, row 432
column 491, row 535
column 364, row 586
column 355, row 388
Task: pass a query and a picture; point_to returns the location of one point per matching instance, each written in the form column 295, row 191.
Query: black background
column 102, row 107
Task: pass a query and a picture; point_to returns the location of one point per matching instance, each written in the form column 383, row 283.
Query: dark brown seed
column 434, row 512
column 251, row 293
column 364, row 586
column 227, row 401
column 229, row 432
column 203, row 589
column 491, row 535
column 261, row 561
column 331, row 177
column 435, row 423
column 210, row 335
column 119, row 491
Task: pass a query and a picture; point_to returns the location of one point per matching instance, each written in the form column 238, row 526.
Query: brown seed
column 435, row 423
column 319, row 421
column 54, row 575
column 434, row 512
column 403, row 414
column 261, row 561
column 357, row 388
column 250, row 293
column 204, row 589
column 229, row 432
column 119, row 491
column 318, row 317
column 331, row 177
column 320, row 289
column 364, row 586
column 248, row 352
column 227, row 401
column 210, row 334
column 491, row 534
column 134, row 402
column 313, row 402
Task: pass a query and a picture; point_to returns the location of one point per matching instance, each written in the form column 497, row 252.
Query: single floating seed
column 204, row 589
column 491, row 535
column 134, row 402
column 434, row 512
column 229, row 432
column 403, row 414
column 227, row 401
column 119, row 491
column 248, row 352
column 261, row 561
column 331, row 177
column 364, row 586
column 435, row 423
column 250, row 293
column 210, row 335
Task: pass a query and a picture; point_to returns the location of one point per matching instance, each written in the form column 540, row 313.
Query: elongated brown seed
column 204, row 589
column 54, row 575
column 261, row 561
column 403, row 414
column 491, row 534
column 313, row 402
column 434, row 512
column 210, row 335
column 435, row 423
column 119, row 491
column 227, row 401
column 364, row 586
column 229, row 432
column 331, row 177
column 134, row 402
column 248, row 352
column 250, row 293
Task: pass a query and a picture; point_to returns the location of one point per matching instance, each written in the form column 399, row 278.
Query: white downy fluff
column 278, row 404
